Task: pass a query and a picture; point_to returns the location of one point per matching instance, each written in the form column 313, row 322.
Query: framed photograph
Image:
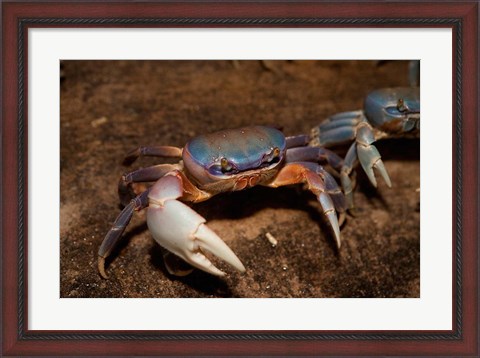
column 239, row 178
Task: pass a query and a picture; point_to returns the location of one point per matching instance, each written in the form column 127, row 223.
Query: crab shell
column 394, row 110
column 234, row 159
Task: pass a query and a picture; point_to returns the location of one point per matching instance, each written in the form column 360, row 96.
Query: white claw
column 182, row 231
column 201, row 262
column 209, row 241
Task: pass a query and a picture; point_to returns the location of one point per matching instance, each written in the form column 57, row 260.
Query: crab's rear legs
column 310, row 173
column 114, row 234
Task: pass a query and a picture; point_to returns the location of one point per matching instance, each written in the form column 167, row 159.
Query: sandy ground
column 110, row 107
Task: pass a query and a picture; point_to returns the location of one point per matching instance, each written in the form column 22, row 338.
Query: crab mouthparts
column 245, row 181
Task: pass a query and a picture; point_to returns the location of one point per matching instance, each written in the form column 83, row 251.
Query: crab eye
column 276, row 152
column 222, row 166
column 401, row 105
column 225, row 165
column 273, row 156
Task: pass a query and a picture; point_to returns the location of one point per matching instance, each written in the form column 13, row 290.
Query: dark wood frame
column 461, row 17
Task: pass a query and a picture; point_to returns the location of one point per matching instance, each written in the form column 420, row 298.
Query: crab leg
column 182, row 231
column 153, row 151
column 314, row 154
column 337, row 129
column 342, row 119
column 114, row 234
column 294, row 173
column 368, row 154
column 152, row 173
column 297, row 141
column 351, row 160
column 342, row 128
column 331, row 186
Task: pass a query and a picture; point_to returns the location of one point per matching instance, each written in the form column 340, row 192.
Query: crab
column 211, row 164
column 387, row 113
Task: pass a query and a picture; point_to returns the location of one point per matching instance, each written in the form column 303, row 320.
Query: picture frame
column 461, row 18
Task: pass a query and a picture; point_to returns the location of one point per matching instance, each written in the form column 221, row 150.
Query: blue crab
column 387, row 113
column 228, row 160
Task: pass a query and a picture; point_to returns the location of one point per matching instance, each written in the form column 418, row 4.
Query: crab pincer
column 181, row 230
column 368, row 155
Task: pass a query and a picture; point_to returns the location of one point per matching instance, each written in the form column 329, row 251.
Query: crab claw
column 370, row 158
column 368, row 155
column 182, row 231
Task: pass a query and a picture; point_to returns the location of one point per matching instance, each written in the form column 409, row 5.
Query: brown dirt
column 111, row 107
